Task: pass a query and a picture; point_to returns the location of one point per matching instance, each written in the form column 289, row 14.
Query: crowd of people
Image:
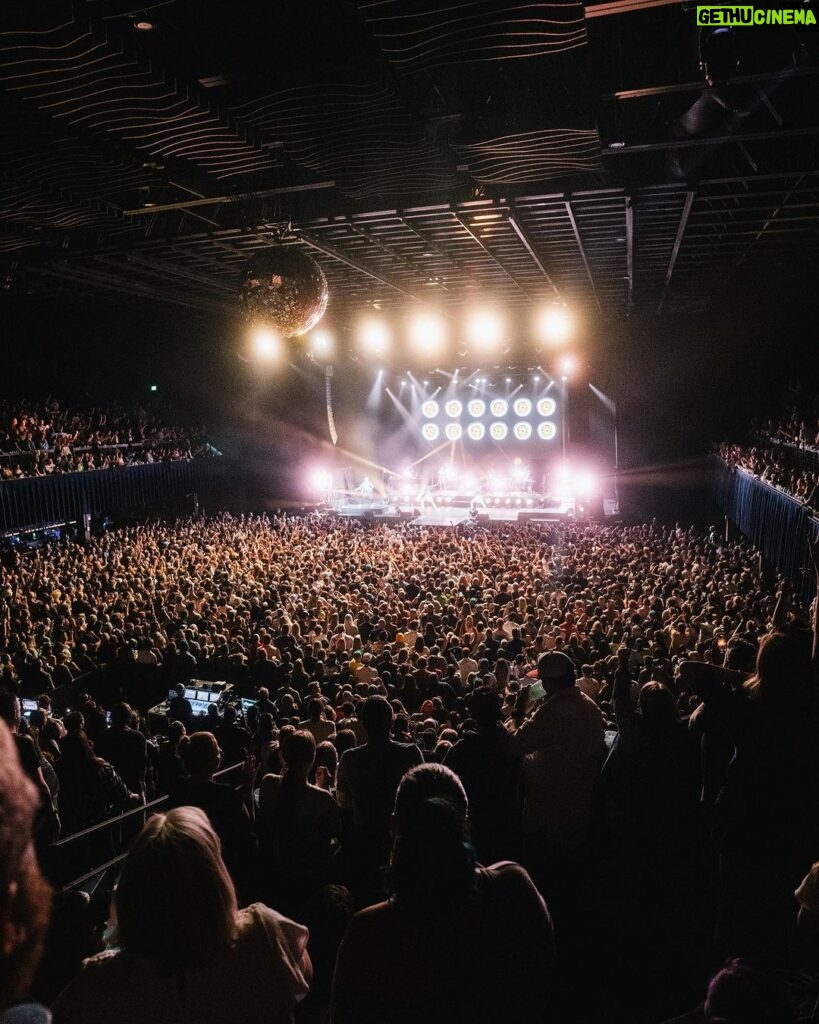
column 784, row 452
column 42, row 438
column 527, row 773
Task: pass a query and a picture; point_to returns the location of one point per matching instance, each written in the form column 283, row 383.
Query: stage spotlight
column 427, row 333
column 586, row 484
column 374, row 337
column 476, row 431
column 568, row 365
column 523, row 431
column 536, row 380
column 267, row 344
column 453, row 431
column 484, row 330
column 321, row 344
column 430, row 431
column 321, row 480
column 498, row 431
column 476, row 408
column 499, row 407
column 553, row 325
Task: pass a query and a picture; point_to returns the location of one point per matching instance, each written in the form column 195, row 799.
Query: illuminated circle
column 499, row 407
column 454, row 409
column 475, row 431
column 453, row 431
column 477, row 407
column 546, row 407
column 430, row 431
column 523, row 431
column 430, row 409
column 546, row 431
column 498, row 431
column 522, row 406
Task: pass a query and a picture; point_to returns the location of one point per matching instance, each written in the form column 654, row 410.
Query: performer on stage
column 366, row 488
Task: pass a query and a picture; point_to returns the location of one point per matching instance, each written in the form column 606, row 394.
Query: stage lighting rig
column 374, row 337
column 553, row 325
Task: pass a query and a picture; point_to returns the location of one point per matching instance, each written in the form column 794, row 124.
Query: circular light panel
column 546, row 431
column 430, row 409
column 522, row 407
column 454, row 409
column 546, row 406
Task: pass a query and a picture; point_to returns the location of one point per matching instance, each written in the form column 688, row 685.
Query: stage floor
column 455, row 515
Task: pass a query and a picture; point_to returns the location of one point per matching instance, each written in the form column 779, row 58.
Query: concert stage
column 557, row 510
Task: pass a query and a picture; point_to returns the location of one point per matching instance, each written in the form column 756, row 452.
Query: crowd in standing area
column 522, row 773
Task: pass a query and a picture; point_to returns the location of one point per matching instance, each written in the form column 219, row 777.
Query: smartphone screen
column 536, row 691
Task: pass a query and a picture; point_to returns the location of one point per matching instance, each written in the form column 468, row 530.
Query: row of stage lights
column 427, row 335
column 503, row 485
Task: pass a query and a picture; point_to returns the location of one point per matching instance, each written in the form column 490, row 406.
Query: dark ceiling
column 421, row 151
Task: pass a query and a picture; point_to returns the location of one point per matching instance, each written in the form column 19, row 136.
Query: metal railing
column 143, row 810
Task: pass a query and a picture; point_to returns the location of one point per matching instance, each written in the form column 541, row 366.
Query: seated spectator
column 181, row 948
column 424, row 954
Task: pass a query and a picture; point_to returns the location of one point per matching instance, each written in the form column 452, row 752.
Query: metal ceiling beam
column 432, row 244
column 236, row 197
column 675, row 252
column 523, row 235
column 491, row 255
column 165, row 268
column 709, row 140
column 630, row 253
column 91, row 280
column 573, row 221
column 388, row 249
column 667, row 90
column 328, row 250
column 606, row 10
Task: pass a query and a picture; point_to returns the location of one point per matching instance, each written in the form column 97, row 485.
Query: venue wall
column 38, row 501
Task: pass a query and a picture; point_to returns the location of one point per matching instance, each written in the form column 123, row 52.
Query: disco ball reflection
column 284, row 288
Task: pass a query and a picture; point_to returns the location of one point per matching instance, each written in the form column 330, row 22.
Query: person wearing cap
column 562, row 738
